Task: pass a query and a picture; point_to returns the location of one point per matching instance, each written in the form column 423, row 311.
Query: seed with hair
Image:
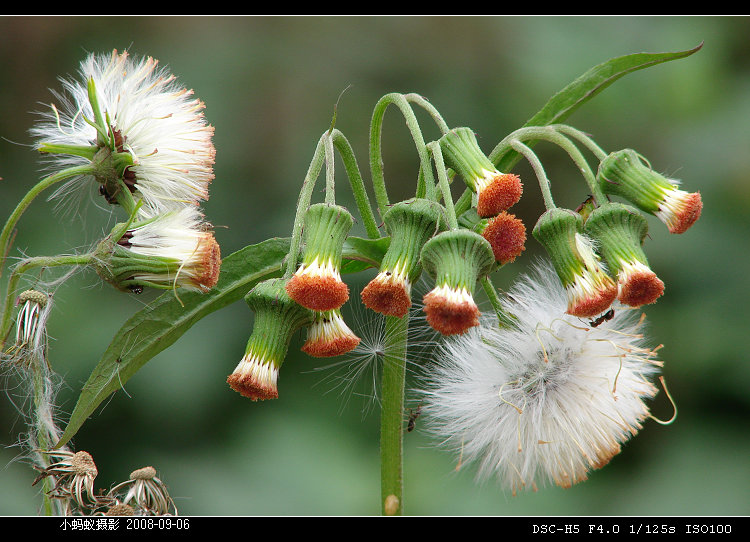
column 83, row 464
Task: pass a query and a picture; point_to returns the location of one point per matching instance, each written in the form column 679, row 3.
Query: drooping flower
column 136, row 126
column 496, row 191
column 329, row 336
column 456, row 259
column 174, row 249
column 624, row 173
column 590, row 290
column 410, row 225
column 277, row 318
column 619, row 231
column 317, row 283
column 507, row 236
column 546, row 400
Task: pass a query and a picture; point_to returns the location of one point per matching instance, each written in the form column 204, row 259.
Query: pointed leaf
column 588, row 85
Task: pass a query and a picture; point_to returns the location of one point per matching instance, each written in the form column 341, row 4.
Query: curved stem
column 541, row 176
column 504, row 320
column 25, row 265
column 26, row 201
column 443, row 184
column 427, row 106
column 303, row 203
column 330, row 171
column 357, row 184
column 392, row 412
column 376, row 158
column 583, row 138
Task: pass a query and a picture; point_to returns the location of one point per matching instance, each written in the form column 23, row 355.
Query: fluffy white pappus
column 156, row 119
column 545, row 401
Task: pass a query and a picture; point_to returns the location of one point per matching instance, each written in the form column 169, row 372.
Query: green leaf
column 167, row 318
column 360, row 254
column 588, row 85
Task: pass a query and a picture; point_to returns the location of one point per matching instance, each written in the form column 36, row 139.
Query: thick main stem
column 391, row 416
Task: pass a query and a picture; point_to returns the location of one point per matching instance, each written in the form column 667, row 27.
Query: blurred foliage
column 270, row 85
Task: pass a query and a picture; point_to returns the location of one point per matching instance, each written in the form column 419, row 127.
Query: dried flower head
column 136, row 126
column 75, row 473
column 31, row 327
column 145, row 493
column 546, row 400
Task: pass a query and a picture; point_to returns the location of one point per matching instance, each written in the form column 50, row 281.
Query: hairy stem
column 391, row 416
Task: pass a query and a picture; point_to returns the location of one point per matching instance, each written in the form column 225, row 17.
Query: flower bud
column 410, row 224
column 277, row 318
column 496, row 191
column 624, row 173
column 589, row 289
column 329, row 336
column 173, row 249
column 317, row 283
column 456, row 259
column 619, row 231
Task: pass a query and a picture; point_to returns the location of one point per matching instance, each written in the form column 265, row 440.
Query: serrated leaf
column 585, row 87
column 167, row 318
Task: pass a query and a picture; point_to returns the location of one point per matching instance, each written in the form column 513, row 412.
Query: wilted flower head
column 75, row 473
column 31, row 326
column 175, row 249
column 546, row 400
column 132, row 121
column 144, row 492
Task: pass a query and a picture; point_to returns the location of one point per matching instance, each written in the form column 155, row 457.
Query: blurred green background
column 270, row 85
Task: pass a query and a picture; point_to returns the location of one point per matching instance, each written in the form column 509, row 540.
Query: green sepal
column 277, row 318
column 458, row 258
column 411, row 224
column 624, row 173
column 556, row 230
column 619, row 231
column 461, row 153
column 326, row 228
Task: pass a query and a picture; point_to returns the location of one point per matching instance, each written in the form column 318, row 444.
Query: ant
column 603, row 318
column 413, row 415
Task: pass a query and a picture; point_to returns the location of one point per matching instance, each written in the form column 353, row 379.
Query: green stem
column 376, row 158
column 443, row 184
column 40, row 403
column 427, row 106
column 392, row 411
column 330, row 171
column 538, row 170
column 357, row 184
column 583, row 138
column 25, row 265
column 26, row 201
column 303, row 203
column 504, row 320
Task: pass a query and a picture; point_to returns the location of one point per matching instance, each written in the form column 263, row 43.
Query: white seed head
column 547, row 400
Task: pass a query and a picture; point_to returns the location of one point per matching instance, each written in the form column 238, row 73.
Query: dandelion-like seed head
column 545, row 401
column 138, row 126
